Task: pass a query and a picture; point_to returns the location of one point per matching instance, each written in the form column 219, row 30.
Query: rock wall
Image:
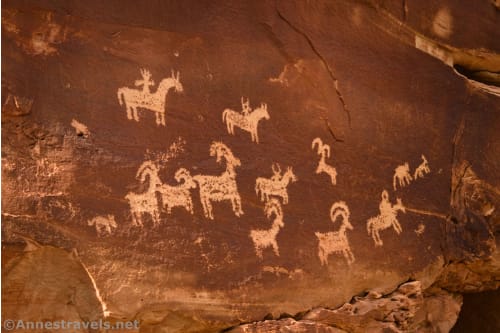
column 250, row 166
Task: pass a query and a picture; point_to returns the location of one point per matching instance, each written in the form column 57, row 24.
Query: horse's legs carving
column 129, row 112
column 134, row 112
column 397, row 226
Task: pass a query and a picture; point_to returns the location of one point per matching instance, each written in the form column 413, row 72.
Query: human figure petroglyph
column 103, row 224
column 223, row 187
column 324, row 152
column 386, row 219
column 276, row 185
column 178, row 195
column 402, row 176
column 145, row 203
column 422, row 169
column 336, row 241
column 155, row 102
column 263, row 239
column 247, row 120
column 146, row 81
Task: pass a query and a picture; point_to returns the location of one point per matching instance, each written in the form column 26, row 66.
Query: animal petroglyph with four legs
column 422, row 169
column 276, row 185
column 336, row 241
column 386, row 219
column 223, row 187
column 324, row 152
column 267, row 238
column 103, row 224
column 145, row 203
column 247, row 120
column 179, row 195
column 401, row 176
column 155, row 102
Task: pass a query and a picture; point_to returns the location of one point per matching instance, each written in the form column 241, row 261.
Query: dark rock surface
column 381, row 83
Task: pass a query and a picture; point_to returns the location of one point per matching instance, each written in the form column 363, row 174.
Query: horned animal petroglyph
column 336, row 241
column 267, row 238
column 422, row 169
column 223, row 187
column 324, row 152
column 179, row 195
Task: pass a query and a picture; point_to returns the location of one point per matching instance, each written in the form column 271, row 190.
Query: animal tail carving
column 394, row 182
column 224, row 115
column 339, row 209
column 120, row 96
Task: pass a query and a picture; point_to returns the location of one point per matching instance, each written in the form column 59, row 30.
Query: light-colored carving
column 247, row 120
column 336, row 241
column 145, row 203
column 401, row 176
column 155, row 102
column 386, row 219
column 267, row 238
column 179, row 195
column 103, row 224
column 324, row 152
column 223, row 187
column 276, row 185
column 81, row 129
column 422, row 169
column 420, row 230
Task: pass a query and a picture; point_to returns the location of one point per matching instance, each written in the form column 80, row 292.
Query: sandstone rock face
column 250, row 166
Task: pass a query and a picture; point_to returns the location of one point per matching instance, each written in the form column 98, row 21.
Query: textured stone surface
column 382, row 83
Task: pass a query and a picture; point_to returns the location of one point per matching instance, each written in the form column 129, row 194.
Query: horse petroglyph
column 386, row 219
column 276, row 185
column 422, row 169
column 267, row 238
column 145, row 203
column 155, row 102
column 324, row 152
column 223, row 187
column 401, row 176
column 179, row 195
column 247, row 120
column 103, row 224
column 336, row 241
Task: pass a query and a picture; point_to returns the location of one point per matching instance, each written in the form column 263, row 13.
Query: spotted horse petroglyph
column 386, row 219
column 247, row 120
column 223, row 187
column 324, row 152
column 276, row 185
column 336, row 241
column 155, row 102
column 267, row 238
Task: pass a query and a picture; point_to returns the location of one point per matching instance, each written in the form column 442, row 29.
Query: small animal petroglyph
column 179, row 195
column 155, row 102
column 324, row 151
column 267, row 238
column 420, row 230
column 103, row 224
column 247, row 120
column 145, row 203
column 223, row 187
column 336, row 241
column 386, row 219
column 422, row 169
column 402, row 176
column 276, row 185
column 81, row 129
